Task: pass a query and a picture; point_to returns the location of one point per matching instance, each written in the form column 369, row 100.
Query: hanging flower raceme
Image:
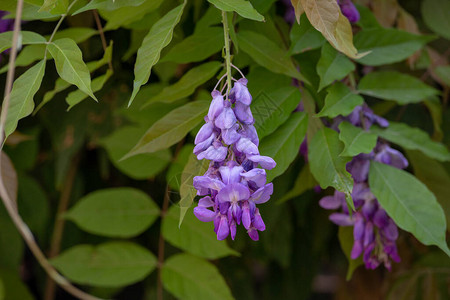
column 374, row 232
column 233, row 184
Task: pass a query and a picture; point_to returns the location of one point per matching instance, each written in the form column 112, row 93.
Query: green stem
column 227, row 50
column 63, row 16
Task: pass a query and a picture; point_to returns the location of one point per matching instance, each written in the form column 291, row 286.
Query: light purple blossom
column 233, row 184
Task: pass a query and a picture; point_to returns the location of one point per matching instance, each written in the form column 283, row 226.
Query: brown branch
column 55, row 244
column 7, row 201
column 102, row 34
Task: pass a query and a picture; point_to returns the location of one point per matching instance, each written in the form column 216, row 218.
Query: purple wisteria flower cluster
column 5, row 25
column 374, row 232
column 233, row 183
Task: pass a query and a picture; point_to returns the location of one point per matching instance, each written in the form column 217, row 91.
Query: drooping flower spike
column 374, row 232
column 233, row 184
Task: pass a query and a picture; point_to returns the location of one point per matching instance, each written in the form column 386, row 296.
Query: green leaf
column 27, row 37
column 196, row 47
column 189, row 277
column 356, row 139
column 75, row 97
column 345, row 235
column 413, row 139
column 108, row 5
column 267, row 54
column 435, row 15
column 55, row 6
column 332, row 66
column 21, row 98
column 187, row 84
column 340, row 100
column 148, row 54
column 388, row 45
column 111, row 264
column 142, row 166
column 272, row 107
column 171, row 128
column 70, row 66
column 305, row 37
column 283, row 144
column 242, row 7
column 126, row 16
column 327, row 166
column 193, row 168
column 115, row 212
column 194, row 236
column 61, row 84
column 409, row 203
column 391, row 85
column 435, row 177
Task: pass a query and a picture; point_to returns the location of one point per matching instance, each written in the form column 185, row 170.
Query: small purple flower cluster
column 233, row 184
column 374, row 231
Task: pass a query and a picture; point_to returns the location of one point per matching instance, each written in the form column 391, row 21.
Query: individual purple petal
column 204, row 133
column 216, row 106
column 380, row 219
column 208, row 183
column 246, row 215
column 258, row 221
column 231, row 136
column 204, row 214
column 233, row 192
column 223, row 229
column 205, row 144
column 253, row 233
column 246, row 146
column 341, row 219
column 234, row 213
column 215, row 154
column 381, row 121
column 205, row 202
column 262, row 195
column 231, row 173
column 264, row 161
column 358, row 229
column 392, row 157
column 390, row 231
column 233, row 230
column 369, row 235
column 243, row 113
column 256, row 175
column 359, row 167
column 391, row 249
column 330, row 202
column 226, row 118
column 357, row 249
column 369, row 208
column 249, row 131
column 240, row 92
